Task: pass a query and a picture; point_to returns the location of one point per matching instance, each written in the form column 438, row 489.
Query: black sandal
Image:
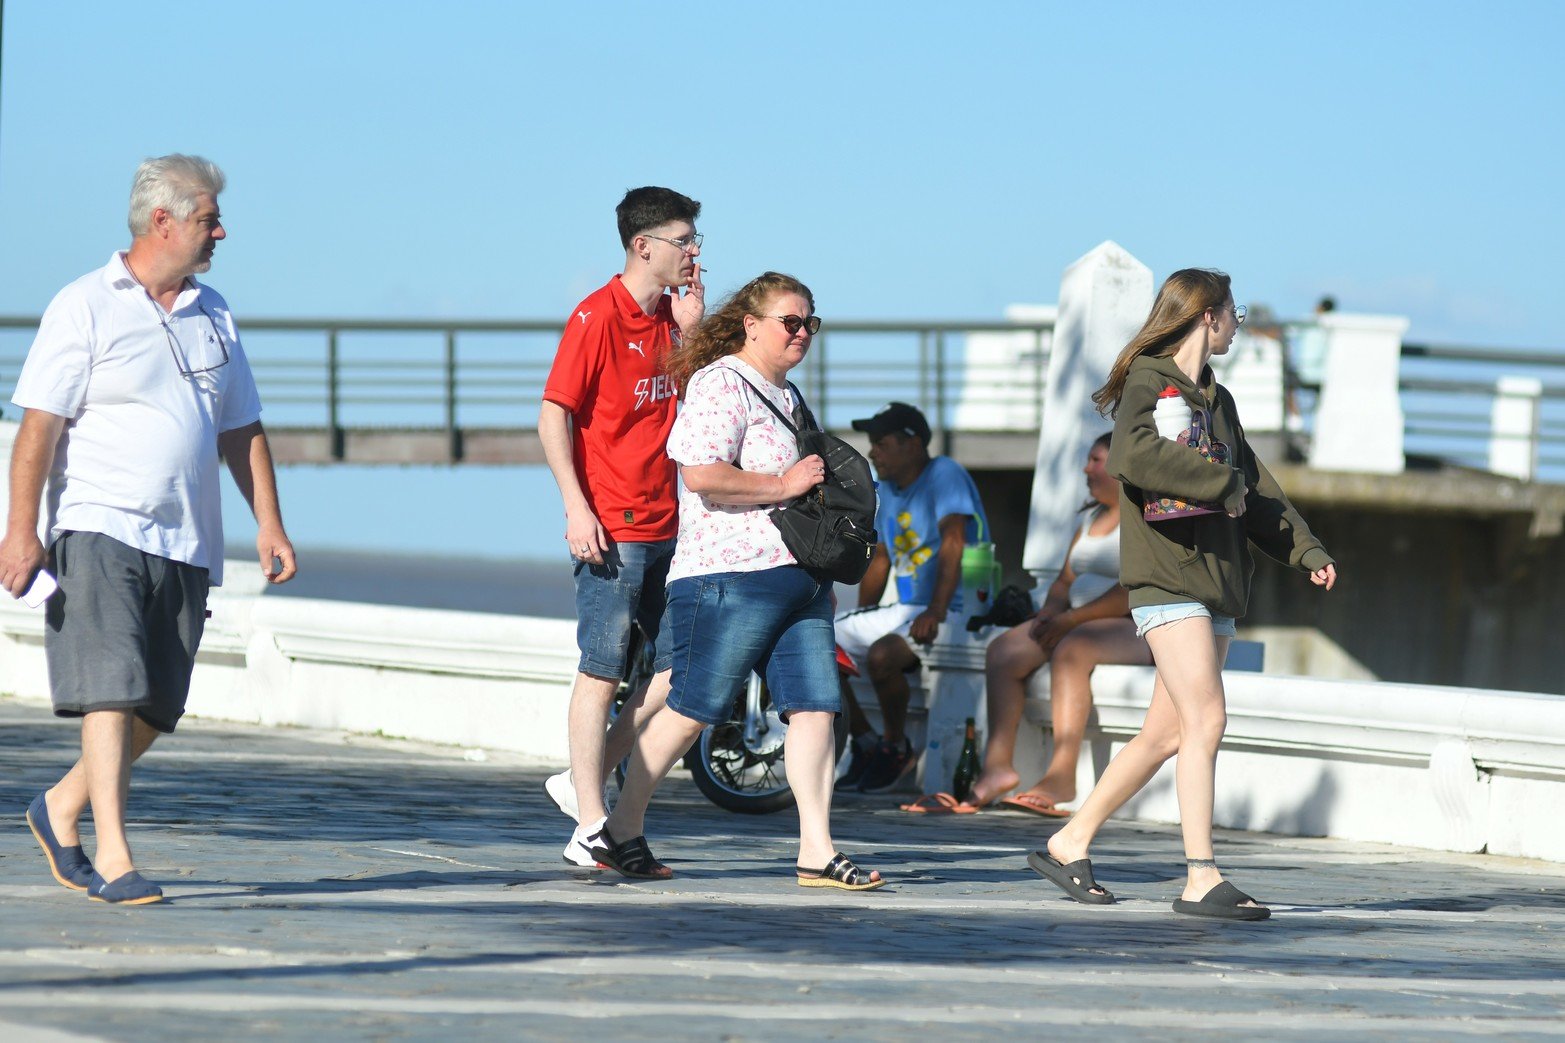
column 633, row 858
column 1223, row 902
column 1075, row 878
column 839, row 872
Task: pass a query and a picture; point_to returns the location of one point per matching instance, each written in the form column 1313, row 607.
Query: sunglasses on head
column 793, row 323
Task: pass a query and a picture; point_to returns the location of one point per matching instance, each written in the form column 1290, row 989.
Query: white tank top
column 1095, row 560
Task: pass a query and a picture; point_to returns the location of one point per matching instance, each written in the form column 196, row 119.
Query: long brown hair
column 1181, row 301
column 722, row 332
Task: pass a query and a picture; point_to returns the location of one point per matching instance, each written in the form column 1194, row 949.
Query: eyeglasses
column 686, row 243
column 792, row 323
column 182, row 359
column 1240, row 311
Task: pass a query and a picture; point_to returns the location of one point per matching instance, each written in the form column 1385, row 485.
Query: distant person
column 134, row 384
column 929, row 512
column 1306, row 358
column 1188, row 574
column 607, row 410
column 1084, row 623
column 738, row 601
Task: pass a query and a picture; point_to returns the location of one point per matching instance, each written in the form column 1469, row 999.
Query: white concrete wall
column 1252, row 373
column 465, row 678
column 1447, row 768
column 1001, row 373
column 1455, row 769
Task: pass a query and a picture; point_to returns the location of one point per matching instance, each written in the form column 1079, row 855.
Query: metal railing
column 338, row 376
column 342, row 375
column 1472, row 405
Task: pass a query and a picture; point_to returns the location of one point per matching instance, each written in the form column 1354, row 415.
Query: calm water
column 515, row 587
column 520, row 587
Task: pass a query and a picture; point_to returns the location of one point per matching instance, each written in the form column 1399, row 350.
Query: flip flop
column 1075, row 879
column 938, row 804
column 1035, row 804
column 1223, row 902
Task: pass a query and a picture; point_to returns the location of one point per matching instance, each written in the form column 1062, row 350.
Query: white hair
column 171, row 183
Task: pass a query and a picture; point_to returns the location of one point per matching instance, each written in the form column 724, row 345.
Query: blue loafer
column 69, row 865
column 130, row 889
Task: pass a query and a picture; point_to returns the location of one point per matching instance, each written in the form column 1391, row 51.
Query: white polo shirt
column 138, row 459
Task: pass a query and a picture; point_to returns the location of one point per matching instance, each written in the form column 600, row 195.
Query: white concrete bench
column 1032, row 747
column 950, row 689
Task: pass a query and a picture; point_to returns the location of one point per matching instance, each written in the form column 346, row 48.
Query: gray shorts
column 122, row 631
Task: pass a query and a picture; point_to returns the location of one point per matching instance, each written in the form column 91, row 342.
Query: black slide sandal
column 1223, row 902
column 1075, row 879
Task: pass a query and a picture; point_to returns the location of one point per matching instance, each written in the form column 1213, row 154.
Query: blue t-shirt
column 908, row 522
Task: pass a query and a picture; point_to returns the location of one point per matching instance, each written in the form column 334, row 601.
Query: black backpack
column 830, row 529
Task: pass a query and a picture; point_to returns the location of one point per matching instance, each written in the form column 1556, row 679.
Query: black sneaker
column 859, row 752
column 887, row 766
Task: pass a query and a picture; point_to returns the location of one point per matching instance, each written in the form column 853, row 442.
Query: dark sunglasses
column 792, row 323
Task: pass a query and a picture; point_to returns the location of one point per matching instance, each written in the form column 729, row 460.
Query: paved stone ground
column 333, row 887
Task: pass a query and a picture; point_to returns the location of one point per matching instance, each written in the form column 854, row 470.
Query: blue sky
column 908, row 160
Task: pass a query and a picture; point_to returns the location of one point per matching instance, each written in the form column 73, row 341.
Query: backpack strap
column 809, row 418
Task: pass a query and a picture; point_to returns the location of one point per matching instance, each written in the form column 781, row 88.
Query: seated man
column 929, row 510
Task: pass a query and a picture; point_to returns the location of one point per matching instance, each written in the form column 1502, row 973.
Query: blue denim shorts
column 628, row 587
column 1149, row 616
column 726, row 624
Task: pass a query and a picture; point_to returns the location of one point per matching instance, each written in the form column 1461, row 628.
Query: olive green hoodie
column 1204, row 558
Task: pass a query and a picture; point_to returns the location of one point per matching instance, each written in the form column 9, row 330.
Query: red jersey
column 608, row 373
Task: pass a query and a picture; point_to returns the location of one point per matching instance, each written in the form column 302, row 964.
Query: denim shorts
column 628, row 587
column 726, row 624
column 1149, row 616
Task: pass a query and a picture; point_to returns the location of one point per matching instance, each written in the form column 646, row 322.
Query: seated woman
column 1084, row 621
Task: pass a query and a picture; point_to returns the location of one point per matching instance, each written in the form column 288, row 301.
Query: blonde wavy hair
column 722, row 332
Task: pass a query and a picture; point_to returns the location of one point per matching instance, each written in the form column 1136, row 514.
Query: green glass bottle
column 966, row 765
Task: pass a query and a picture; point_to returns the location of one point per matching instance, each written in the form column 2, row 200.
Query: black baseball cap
column 898, row 417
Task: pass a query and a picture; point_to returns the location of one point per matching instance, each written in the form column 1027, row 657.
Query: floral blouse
column 723, row 420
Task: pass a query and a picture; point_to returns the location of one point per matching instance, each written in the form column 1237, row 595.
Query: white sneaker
column 561, row 789
column 579, row 851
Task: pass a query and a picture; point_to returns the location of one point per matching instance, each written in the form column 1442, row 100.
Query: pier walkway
column 328, row 887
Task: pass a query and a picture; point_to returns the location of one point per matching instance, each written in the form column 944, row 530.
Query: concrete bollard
column 1104, row 298
column 1513, row 427
column 1359, row 422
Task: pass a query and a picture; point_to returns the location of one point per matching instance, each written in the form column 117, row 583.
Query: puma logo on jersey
column 583, row 316
column 654, row 389
column 633, row 346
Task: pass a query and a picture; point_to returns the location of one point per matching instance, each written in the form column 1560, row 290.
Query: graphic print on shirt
column 621, row 412
column 654, row 389
column 908, row 551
